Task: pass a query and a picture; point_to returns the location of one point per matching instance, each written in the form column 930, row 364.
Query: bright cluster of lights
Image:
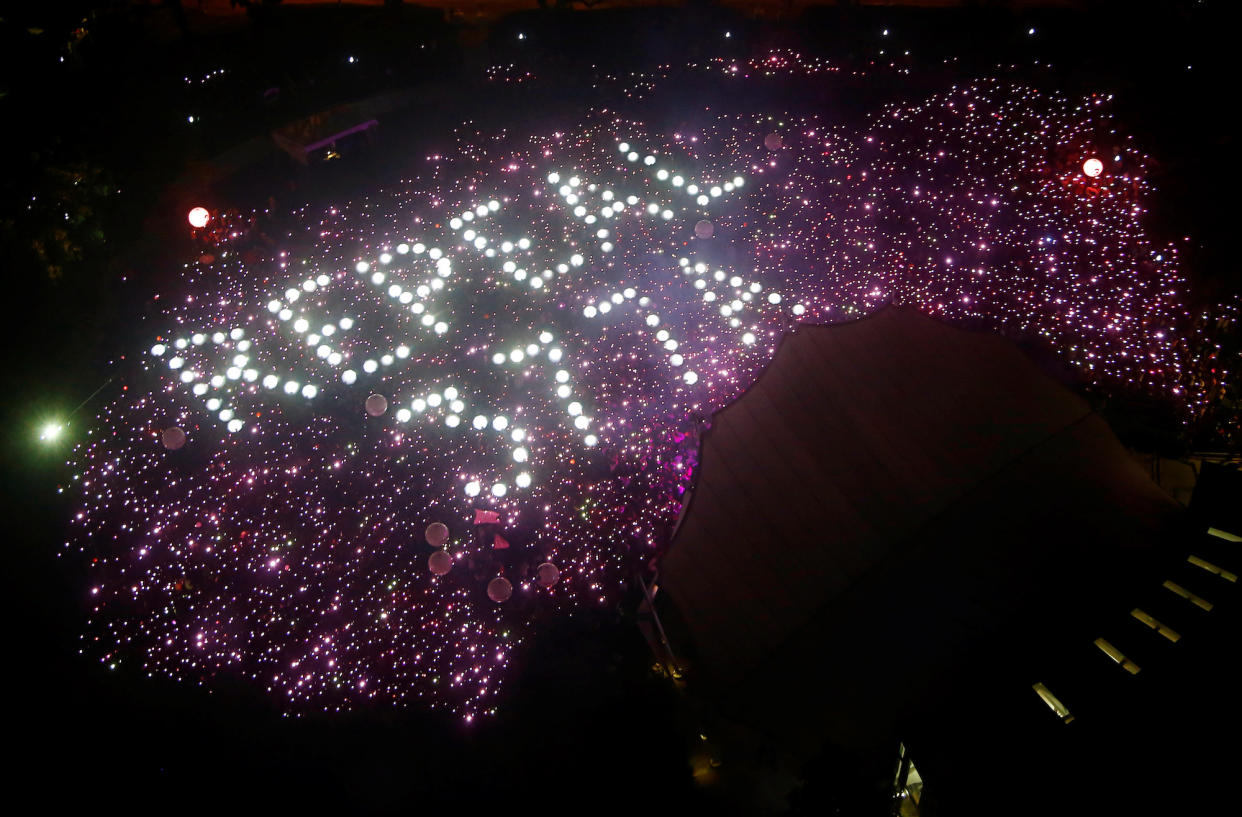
column 547, row 325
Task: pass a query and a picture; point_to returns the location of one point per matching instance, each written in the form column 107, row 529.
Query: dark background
column 96, row 93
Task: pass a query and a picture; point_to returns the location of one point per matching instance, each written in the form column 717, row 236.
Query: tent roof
column 888, row 495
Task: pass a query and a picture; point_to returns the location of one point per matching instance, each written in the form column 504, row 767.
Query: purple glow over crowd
column 546, row 319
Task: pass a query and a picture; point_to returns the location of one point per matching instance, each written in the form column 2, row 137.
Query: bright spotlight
column 199, row 217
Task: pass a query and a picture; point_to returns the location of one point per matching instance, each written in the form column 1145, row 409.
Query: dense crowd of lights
column 547, row 320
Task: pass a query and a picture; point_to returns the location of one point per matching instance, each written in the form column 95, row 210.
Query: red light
column 199, row 217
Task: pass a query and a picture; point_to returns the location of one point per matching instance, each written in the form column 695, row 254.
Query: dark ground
column 588, row 726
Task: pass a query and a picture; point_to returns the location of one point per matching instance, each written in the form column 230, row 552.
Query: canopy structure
column 893, row 501
column 304, row 138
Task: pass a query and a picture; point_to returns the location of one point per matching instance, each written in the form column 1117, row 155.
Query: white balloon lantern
column 437, row 534
column 199, row 217
column 773, row 141
column 548, row 574
column 377, row 404
column 173, row 438
column 499, row 589
column 440, row 562
column 704, row 229
column 1093, row 167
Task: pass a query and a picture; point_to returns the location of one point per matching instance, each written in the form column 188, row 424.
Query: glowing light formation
column 544, row 338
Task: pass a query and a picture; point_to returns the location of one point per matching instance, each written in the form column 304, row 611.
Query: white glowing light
column 690, row 377
column 499, row 489
column 473, row 487
column 500, row 423
column 522, row 480
column 480, row 422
